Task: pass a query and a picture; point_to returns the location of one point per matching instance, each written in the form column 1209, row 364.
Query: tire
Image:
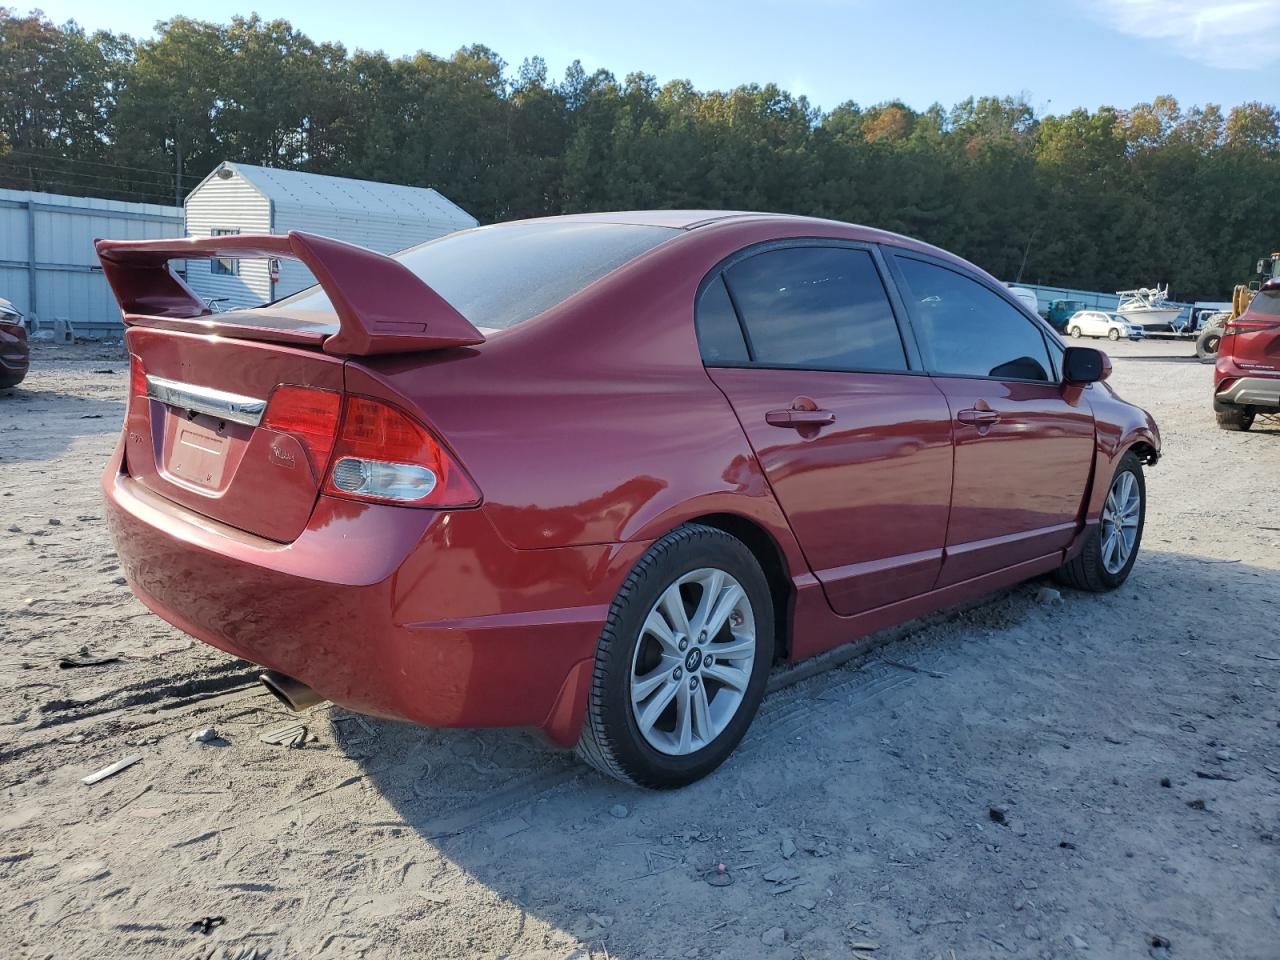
column 8, row 380
column 612, row 738
column 1235, row 418
column 1207, row 343
column 1075, row 333
column 1113, row 334
column 1093, row 571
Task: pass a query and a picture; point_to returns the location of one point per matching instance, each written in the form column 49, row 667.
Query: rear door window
column 719, row 333
column 967, row 330
column 815, row 307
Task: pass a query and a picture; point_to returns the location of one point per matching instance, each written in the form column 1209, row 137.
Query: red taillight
column 137, row 377
column 384, row 455
column 1248, row 325
column 310, row 415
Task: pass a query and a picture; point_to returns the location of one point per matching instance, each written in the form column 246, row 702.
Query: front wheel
column 1075, row 333
column 1111, row 547
column 682, row 662
column 1113, row 334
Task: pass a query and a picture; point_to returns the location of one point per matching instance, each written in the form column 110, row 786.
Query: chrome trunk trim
column 216, row 403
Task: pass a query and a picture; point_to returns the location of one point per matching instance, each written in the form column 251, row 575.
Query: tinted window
column 1266, row 303
column 817, row 307
column 498, row 276
column 969, row 331
column 719, row 333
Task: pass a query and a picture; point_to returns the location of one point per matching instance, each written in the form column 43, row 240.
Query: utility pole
column 1025, row 251
column 177, row 167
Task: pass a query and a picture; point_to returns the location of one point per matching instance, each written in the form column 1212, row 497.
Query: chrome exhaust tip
column 294, row 695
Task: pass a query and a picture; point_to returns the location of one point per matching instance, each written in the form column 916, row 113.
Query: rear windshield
column 1267, row 303
column 501, row 275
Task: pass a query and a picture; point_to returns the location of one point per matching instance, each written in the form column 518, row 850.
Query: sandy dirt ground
column 1129, row 743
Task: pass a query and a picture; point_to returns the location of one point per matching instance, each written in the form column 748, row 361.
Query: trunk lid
column 200, row 429
column 195, row 432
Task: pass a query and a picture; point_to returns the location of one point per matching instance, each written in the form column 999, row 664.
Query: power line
column 95, row 178
column 79, row 189
column 97, row 163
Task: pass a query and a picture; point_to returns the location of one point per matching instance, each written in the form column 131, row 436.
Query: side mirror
column 1085, row 365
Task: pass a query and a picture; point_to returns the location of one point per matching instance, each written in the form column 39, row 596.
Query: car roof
column 693, row 219
column 684, row 219
column 789, row 225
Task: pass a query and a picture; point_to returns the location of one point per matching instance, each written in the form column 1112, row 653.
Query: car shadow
column 849, row 783
column 51, row 419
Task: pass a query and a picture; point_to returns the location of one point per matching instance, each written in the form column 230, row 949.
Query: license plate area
column 198, row 455
column 201, row 452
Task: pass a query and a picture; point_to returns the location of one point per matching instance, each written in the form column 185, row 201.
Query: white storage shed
column 48, row 267
column 238, row 198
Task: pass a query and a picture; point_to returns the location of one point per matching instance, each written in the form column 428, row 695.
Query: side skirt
column 816, row 629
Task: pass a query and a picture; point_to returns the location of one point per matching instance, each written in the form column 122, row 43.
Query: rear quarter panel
column 596, row 422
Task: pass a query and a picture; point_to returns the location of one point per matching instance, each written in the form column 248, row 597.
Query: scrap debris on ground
column 1046, row 774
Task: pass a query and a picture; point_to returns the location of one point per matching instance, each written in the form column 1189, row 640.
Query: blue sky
column 1059, row 54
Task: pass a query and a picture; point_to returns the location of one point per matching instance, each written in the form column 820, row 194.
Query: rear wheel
column 682, row 662
column 1235, row 418
column 1112, row 546
column 1075, row 332
column 1113, row 334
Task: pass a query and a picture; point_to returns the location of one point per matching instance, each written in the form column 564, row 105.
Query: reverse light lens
column 384, row 455
column 386, row 481
column 310, row 415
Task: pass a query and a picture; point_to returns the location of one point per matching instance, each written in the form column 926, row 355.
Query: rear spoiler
column 381, row 306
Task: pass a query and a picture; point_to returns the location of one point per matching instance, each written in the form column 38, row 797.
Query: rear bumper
column 1249, row 391
column 418, row 615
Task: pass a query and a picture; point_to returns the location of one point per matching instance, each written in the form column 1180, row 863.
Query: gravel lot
column 1129, row 745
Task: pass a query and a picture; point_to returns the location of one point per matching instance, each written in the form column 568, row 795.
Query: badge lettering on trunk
column 282, row 455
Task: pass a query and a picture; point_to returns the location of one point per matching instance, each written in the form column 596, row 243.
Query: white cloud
column 1230, row 34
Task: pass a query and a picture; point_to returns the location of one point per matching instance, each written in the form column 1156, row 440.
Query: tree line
column 1102, row 199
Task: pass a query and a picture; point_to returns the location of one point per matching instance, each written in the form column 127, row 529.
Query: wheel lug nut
column 693, row 683
column 708, row 661
column 678, row 673
column 702, row 637
column 684, row 644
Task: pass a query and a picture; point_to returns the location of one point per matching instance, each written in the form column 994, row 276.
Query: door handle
column 978, row 418
column 799, row 418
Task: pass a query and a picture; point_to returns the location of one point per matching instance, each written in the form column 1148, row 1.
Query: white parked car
column 1099, row 323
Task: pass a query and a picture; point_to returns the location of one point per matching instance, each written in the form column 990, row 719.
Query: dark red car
column 597, row 474
column 15, row 351
column 1247, row 372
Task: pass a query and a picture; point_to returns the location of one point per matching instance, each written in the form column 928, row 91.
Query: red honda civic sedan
column 597, row 474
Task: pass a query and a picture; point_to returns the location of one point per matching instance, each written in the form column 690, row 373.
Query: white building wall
column 231, row 204
column 63, row 280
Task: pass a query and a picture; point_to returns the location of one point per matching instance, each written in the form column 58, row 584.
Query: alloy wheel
column 1120, row 516
column 693, row 661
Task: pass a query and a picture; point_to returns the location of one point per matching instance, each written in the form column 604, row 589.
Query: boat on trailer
column 1148, row 307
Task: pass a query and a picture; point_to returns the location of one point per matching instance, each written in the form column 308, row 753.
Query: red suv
column 596, row 474
column 1247, row 379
